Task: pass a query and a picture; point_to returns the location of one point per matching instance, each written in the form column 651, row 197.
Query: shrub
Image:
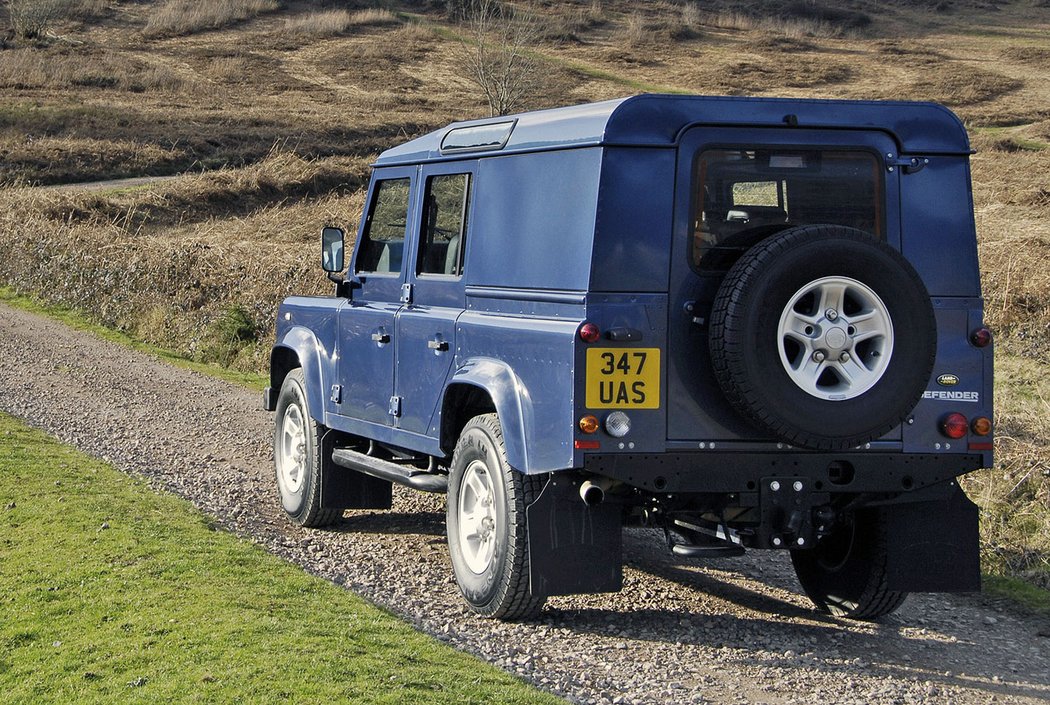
column 31, row 19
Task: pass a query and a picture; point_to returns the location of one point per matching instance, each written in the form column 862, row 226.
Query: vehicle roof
column 657, row 120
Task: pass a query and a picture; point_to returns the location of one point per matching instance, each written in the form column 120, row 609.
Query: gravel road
column 731, row 631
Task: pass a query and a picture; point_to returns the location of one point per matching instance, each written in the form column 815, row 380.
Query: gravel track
column 730, row 631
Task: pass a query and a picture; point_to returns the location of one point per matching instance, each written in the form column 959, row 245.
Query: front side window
column 745, row 195
column 383, row 237
column 445, row 224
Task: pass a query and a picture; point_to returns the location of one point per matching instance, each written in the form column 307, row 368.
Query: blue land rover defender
column 753, row 323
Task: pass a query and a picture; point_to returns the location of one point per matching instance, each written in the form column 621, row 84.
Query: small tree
column 497, row 57
column 31, row 19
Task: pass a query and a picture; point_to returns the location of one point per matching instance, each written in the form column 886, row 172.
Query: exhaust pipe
column 592, row 492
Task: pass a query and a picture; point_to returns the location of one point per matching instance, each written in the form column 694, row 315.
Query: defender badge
column 947, row 380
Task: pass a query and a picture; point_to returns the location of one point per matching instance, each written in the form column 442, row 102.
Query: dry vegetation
column 207, row 89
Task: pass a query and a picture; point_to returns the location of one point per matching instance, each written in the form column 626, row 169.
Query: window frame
column 363, row 234
column 464, row 224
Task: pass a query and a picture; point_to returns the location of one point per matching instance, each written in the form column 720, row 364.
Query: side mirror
column 332, row 255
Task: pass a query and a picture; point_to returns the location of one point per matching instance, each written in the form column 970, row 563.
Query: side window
column 383, row 238
column 444, row 224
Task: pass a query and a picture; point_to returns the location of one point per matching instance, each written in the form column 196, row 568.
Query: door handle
column 381, row 338
column 440, row 345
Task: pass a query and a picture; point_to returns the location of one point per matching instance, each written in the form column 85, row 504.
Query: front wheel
column 845, row 574
column 297, row 456
column 486, row 524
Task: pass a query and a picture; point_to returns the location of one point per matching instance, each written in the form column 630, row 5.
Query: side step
column 392, row 472
column 724, row 550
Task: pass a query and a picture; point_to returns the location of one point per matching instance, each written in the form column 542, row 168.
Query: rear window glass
column 745, row 195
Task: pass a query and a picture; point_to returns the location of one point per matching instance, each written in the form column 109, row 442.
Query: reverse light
column 589, row 423
column 617, row 424
column 981, row 426
column 954, row 425
column 590, row 333
column 981, row 338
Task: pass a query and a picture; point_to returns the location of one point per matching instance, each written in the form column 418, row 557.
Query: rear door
column 426, row 325
column 734, row 188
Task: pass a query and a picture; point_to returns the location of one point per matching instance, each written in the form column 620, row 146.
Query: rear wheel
column 845, row 574
column 486, row 524
column 297, row 456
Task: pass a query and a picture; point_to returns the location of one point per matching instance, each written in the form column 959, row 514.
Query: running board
column 725, row 550
column 385, row 470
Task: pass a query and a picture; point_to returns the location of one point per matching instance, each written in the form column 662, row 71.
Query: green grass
column 1028, row 596
column 77, row 320
column 111, row 593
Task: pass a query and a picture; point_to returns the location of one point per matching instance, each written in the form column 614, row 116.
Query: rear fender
column 511, row 400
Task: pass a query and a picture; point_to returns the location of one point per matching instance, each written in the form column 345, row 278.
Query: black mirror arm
column 344, row 286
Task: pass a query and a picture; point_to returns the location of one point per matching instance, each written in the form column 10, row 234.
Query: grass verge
column 77, row 320
column 1028, row 596
column 110, row 592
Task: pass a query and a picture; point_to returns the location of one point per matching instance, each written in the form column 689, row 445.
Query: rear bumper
column 706, row 472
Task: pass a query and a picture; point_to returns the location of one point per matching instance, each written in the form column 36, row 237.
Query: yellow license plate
column 623, row 378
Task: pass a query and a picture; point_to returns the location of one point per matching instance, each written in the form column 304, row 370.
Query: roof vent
column 477, row 138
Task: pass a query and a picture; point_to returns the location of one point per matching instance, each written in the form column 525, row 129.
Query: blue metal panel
column 937, row 222
column 658, row 120
column 632, row 242
column 526, row 365
column 306, row 326
column 970, row 396
column 536, row 229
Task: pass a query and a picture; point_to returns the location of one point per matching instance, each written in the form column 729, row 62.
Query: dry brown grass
column 62, row 69
column 331, row 23
column 178, row 17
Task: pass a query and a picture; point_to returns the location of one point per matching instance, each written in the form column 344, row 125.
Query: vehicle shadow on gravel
column 402, row 523
column 781, row 633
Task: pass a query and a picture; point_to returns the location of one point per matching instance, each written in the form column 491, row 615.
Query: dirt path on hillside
column 112, row 184
column 719, row 632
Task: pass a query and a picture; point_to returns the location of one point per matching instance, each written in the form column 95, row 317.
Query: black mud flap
column 934, row 544
column 573, row 548
column 342, row 488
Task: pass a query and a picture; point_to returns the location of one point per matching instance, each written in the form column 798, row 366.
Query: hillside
column 271, row 111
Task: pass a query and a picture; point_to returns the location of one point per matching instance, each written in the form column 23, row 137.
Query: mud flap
column 573, row 548
column 933, row 544
column 342, row 488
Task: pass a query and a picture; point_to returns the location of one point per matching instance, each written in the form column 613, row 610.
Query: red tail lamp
column 981, row 426
column 954, row 425
column 587, row 445
column 590, row 333
column 981, row 338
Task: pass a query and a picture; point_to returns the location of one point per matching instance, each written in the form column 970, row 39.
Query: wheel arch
column 484, row 385
column 299, row 347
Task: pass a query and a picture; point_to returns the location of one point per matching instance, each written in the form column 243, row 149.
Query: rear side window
column 745, row 195
column 445, row 224
column 383, row 238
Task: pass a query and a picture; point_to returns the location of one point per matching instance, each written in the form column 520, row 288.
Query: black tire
column 763, row 289
column 846, row 573
column 299, row 481
column 493, row 573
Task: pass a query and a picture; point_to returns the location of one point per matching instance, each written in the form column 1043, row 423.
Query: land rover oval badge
column 947, row 380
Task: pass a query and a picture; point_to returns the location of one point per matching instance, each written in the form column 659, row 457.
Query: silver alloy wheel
column 835, row 338
column 477, row 518
column 291, row 463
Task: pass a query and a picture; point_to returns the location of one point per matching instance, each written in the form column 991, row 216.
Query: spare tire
column 823, row 336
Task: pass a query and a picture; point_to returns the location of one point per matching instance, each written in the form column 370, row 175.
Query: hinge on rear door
column 908, row 165
column 337, row 394
column 395, row 407
column 406, row 293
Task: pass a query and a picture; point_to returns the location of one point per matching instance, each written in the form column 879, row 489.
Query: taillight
column 981, row 338
column 589, row 423
column 589, row 333
column 981, row 426
column 954, row 425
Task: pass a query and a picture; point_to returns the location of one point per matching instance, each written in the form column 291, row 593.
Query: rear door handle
column 435, row 344
column 381, row 337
